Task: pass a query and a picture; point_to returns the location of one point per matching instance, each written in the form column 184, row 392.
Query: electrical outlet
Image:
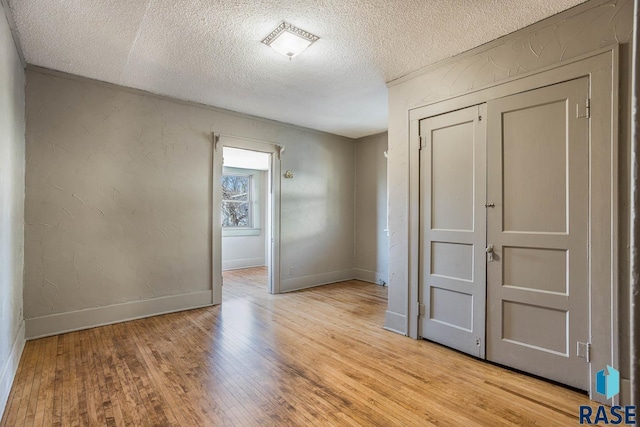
column 292, row 271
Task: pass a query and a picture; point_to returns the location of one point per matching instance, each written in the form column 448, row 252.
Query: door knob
column 489, row 251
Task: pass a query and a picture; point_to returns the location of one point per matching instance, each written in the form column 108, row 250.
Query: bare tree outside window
column 236, row 201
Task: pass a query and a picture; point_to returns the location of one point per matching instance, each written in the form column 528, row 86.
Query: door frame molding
column 220, row 141
column 601, row 67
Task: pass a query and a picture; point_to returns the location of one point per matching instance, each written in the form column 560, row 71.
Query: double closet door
column 504, row 214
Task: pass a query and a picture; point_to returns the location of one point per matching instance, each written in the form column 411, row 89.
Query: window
column 237, row 205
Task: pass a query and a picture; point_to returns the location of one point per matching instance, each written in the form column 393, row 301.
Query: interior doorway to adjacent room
column 246, row 213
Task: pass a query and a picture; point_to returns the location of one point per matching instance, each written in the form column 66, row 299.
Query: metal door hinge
column 584, row 350
column 583, row 108
column 423, row 142
column 421, row 309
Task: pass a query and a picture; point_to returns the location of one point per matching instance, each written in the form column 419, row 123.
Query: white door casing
column 273, row 208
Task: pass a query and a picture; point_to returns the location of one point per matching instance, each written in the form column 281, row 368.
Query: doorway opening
column 243, row 213
column 245, row 216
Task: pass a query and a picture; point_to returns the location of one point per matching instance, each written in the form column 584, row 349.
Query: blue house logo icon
column 608, row 384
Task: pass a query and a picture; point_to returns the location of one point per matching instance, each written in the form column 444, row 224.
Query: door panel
column 452, row 187
column 534, row 198
column 452, row 230
column 453, row 260
column 537, row 283
column 535, row 269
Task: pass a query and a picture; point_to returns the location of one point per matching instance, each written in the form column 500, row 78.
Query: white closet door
column 537, row 283
column 452, row 230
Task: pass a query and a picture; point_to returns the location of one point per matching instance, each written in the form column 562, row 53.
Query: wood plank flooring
column 314, row 357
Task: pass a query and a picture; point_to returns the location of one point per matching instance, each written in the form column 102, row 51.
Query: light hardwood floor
column 314, row 357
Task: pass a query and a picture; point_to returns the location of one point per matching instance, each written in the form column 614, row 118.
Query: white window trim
column 254, row 201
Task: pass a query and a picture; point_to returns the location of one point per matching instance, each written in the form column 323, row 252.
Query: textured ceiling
column 210, row 51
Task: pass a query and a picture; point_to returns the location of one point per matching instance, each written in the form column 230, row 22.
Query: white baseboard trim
column 304, row 282
column 237, row 264
column 370, row 276
column 10, row 368
column 55, row 324
column 625, row 391
column 395, row 322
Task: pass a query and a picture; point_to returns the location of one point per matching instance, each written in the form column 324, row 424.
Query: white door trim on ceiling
column 601, row 67
column 273, row 211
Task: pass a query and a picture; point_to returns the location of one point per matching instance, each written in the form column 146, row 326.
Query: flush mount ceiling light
column 289, row 40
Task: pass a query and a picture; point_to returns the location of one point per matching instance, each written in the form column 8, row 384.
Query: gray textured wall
column 372, row 243
column 118, row 195
column 583, row 29
column 12, row 159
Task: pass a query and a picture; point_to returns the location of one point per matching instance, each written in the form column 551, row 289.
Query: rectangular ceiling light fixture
column 289, row 40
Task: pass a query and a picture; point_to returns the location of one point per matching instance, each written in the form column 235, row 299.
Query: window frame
column 253, row 199
column 249, row 201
